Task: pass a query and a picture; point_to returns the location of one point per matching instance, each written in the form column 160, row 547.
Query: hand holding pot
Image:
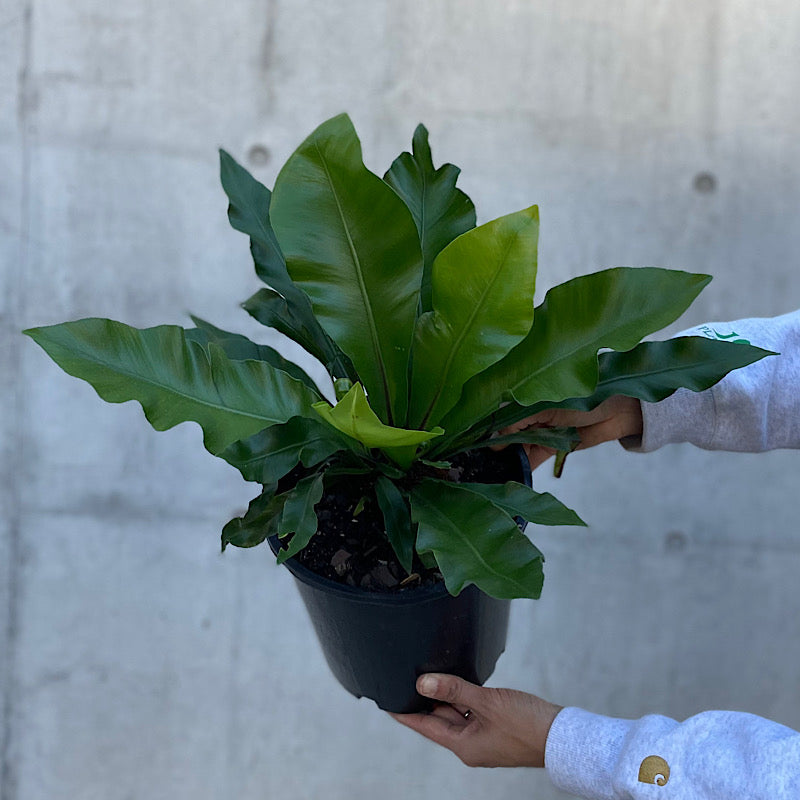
column 616, row 418
column 484, row 727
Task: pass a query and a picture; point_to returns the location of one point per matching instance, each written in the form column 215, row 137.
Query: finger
column 522, row 425
column 432, row 727
column 606, row 431
column 558, row 418
column 543, row 419
column 450, row 689
column 537, row 454
column 451, row 714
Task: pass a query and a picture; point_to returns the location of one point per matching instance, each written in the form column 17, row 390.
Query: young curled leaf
column 353, row 416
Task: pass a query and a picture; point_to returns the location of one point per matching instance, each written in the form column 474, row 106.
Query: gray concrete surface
column 136, row 662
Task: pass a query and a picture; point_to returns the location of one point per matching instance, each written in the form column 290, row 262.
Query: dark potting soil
column 351, row 546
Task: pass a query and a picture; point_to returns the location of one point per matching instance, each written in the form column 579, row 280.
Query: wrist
column 554, row 711
column 534, row 741
column 632, row 417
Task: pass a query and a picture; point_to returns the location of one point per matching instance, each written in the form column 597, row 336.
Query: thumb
column 450, row 689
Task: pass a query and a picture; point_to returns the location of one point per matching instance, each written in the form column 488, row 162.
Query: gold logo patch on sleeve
column 654, row 770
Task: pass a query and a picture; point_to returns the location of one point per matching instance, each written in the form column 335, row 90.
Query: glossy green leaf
column 474, row 541
column 240, row 348
column 351, row 244
column 397, row 519
column 272, row 453
column 176, row 380
column 483, row 286
column 261, row 521
column 353, row 416
column 273, row 310
column 614, row 309
column 520, row 500
column 248, row 212
column 441, row 211
column 651, row 371
column 299, row 517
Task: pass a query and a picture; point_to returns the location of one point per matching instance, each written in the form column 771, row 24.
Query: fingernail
column 427, row 685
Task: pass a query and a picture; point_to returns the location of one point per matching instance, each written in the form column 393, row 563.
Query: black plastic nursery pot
column 378, row 643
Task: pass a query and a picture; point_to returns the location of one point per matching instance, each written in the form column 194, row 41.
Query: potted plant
column 380, row 492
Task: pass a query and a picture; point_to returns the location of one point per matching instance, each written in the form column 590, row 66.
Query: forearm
column 716, row 755
column 752, row 409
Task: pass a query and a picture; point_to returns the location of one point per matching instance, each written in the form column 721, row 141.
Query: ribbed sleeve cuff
column 683, row 417
column 582, row 751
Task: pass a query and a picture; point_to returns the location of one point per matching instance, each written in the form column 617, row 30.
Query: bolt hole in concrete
column 705, row 183
column 675, row 541
column 258, row 155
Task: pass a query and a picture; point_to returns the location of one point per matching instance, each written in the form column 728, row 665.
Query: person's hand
column 483, row 727
column 616, row 418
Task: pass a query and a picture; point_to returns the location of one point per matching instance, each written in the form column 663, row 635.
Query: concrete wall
column 139, row 663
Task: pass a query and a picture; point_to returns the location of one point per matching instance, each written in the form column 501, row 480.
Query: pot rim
column 411, row 596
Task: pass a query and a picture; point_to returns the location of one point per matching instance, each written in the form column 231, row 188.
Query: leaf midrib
column 647, row 373
column 361, row 285
column 436, row 511
column 167, row 387
column 461, row 336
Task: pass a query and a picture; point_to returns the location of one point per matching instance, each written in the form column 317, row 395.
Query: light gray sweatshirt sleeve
column 750, row 410
column 716, row 755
